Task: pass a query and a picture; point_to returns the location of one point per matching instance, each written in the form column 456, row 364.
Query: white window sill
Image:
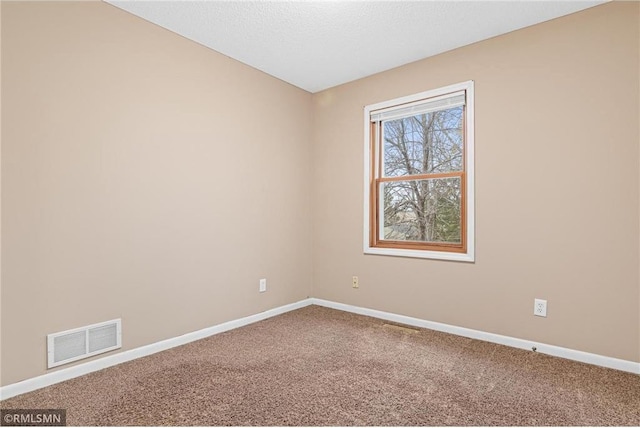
column 421, row 254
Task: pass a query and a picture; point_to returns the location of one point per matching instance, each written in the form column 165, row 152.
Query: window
column 419, row 196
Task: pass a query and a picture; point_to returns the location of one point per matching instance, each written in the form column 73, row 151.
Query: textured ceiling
column 319, row 44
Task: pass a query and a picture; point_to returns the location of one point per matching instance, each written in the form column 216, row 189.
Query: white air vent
column 83, row 342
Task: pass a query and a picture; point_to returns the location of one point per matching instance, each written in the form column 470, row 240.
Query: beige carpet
column 318, row 366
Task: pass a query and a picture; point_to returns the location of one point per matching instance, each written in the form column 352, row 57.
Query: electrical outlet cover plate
column 263, row 285
column 540, row 307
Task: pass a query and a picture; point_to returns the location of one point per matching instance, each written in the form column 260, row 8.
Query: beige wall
column 144, row 177
column 139, row 182
column 0, row 193
column 557, row 133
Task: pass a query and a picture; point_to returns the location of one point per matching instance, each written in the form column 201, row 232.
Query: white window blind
column 443, row 102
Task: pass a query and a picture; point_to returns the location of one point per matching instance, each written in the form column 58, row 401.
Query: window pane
column 423, row 144
column 421, row 210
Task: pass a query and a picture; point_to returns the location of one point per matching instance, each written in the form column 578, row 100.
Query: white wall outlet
column 263, row 285
column 355, row 283
column 540, row 307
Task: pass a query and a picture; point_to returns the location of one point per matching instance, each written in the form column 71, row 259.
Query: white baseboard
column 111, row 360
column 556, row 351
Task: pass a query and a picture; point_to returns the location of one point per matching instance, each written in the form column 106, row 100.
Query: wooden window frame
column 463, row 251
